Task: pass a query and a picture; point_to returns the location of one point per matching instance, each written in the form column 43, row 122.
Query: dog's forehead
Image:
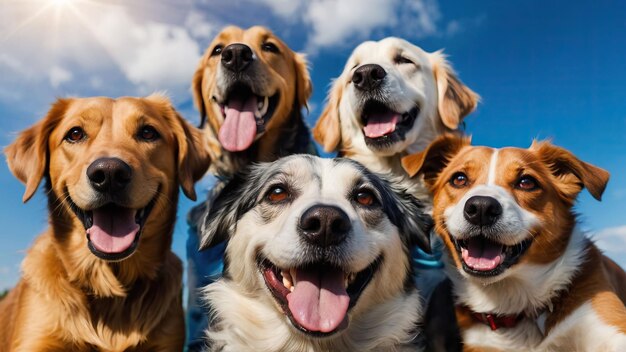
column 493, row 165
column 110, row 112
column 101, row 106
column 229, row 34
column 252, row 35
column 386, row 49
column 324, row 172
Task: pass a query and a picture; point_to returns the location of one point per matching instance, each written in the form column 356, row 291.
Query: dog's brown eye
column 365, row 197
column 271, row 47
column 459, row 180
column 217, row 50
column 527, row 183
column 148, row 133
column 75, row 134
column 277, row 194
column 402, row 60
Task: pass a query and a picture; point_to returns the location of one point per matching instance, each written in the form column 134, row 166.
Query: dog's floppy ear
column 571, row 173
column 225, row 210
column 435, row 157
column 27, row 156
column 193, row 159
column 304, row 86
column 327, row 130
column 407, row 213
column 196, row 89
column 455, row 100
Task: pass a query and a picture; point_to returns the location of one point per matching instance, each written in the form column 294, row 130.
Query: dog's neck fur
column 103, row 305
column 290, row 138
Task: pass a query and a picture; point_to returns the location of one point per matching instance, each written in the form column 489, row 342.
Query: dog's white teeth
column 350, row 279
column 292, row 273
column 287, row 281
column 262, row 106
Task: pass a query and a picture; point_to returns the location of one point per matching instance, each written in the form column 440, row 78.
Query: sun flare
column 60, row 3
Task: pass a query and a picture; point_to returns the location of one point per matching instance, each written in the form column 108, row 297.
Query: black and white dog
column 317, row 259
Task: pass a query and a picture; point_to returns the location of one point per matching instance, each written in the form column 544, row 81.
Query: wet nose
column 482, row 211
column 368, row 77
column 109, row 174
column 325, row 225
column 237, row 57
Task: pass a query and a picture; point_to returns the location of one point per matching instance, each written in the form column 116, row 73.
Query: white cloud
column 284, row 8
column 152, row 55
column 334, row 21
column 58, row 75
column 612, row 239
column 345, row 22
column 199, row 27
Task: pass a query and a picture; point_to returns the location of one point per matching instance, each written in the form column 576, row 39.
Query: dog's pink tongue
column 482, row 255
column 239, row 128
column 380, row 124
column 113, row 230
column 319, row 302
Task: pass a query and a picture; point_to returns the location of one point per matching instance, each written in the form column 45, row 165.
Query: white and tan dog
column 392, row 98
column 317, row 260
column 524, row 276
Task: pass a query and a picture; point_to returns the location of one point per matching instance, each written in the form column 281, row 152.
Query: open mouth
column 113, row 231
column 484, row 257
column 317, row 297
column 245, row 116
column 383, row 126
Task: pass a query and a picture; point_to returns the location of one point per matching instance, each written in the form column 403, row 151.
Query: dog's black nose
column 325, row 225
column 109, row 174
column 482, row 211
column 237, row 57
column 368, row 77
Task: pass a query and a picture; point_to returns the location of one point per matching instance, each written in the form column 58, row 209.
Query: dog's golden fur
column 283, row 72
column 69, row 299
column 428, row 82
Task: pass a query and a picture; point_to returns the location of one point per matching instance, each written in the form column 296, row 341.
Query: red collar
column 494, row 321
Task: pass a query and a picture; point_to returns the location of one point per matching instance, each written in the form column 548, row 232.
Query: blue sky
column 544, row 69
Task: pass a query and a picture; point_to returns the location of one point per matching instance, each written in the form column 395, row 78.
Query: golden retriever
column 103, row 277
column 392, row 98
column 250, row 88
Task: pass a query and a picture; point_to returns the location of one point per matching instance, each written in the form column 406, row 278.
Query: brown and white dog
column 524, row 275
column 392, row 98
column 102, row 276
column 250, row 88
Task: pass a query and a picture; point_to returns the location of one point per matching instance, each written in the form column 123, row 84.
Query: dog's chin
column 316, row 297
column 113, row 230
column 246, row 115
column 383, row 128
column 483, row 257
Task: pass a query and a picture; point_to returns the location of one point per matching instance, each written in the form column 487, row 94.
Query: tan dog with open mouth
column 392, row 98
column 103, row 277
column 524, row 275
column 250, row 88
